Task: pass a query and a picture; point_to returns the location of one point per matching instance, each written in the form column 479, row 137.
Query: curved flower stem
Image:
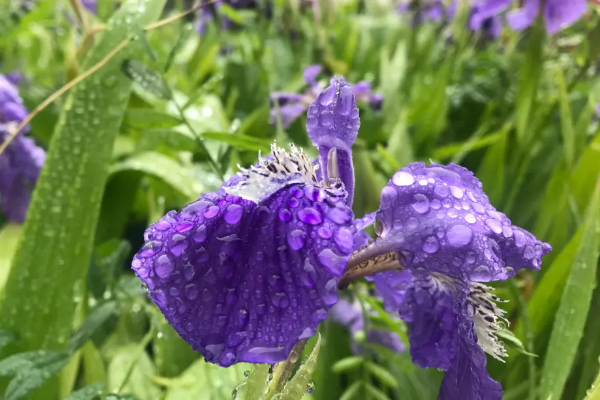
column 359, row 267
column 283, row 370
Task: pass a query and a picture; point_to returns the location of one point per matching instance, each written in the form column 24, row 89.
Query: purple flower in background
column 450, row 239
column 242, row 274
column 484, row 18
column 558, row 14
column 209, row 8
column 90, row 5
column 350, row 315
column 426, row 10
column 22, row 160
column 293, row 105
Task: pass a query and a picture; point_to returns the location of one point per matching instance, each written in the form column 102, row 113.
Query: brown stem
column 359, row 268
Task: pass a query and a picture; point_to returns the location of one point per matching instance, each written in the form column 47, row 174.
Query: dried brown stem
column 357, row 268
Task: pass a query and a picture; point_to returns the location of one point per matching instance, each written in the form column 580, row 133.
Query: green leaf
column 87, row 393
column 58, row 235
column 347, row 364
column 131, row 370
column 352, row 391
column 6, row 338
column 22, row 362
column 594, row 392
column 182, row 38
column 9, row 239
column 239, row 141
column 149, row 80
column 302, row 380
column 148, row 118
column 574, row 306
column 375, row 392
column 176, row 139
column 257, row 382
column 164, row 168
column 566, row 119
column 172, row 355
column 91, row 323
column 382, row 374
column 32, row 374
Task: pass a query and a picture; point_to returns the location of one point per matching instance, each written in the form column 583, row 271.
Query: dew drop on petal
column 431, row 245
column 402, row 178
column 420, row 203
column 211, row 211
column 441, row 190
column 285, row 215
column 150, row 249
column 494, row 225
column 310, row 216
column 233, row 213
column 296, row 239
column 163, row 266
column 459, row 235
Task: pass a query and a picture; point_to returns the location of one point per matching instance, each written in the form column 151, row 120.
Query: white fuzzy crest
column 487, row 319
column 269, row 175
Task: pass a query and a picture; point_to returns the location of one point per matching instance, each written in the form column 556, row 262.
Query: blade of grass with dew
column 574, row 306
column 9, row 239
column 59, row 232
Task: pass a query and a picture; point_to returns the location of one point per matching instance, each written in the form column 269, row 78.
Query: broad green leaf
column 29, row 378
column 93, row 364
column 23, row 362
column 91, row 392
column 566, row 119
column 574, row 306
column 149, row 80
column 239, row 140
column 131, row 370
column 164, row 168
column 59, row 232
column 9, row 239
column 93, row 321
column 347, row 364
column 302, row 381
column 382, row 374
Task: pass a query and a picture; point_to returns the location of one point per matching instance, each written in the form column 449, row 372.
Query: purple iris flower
column 484, row 19
column 558, row 14
column 350, row 315
column 425, row 10
column 244, row 273
column 205, row 13
column 292, row 105
column 450, row 239
column 22, row 160
column 90, row 5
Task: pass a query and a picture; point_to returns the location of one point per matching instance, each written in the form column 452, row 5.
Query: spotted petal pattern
column 440, row 220
column 243, row 282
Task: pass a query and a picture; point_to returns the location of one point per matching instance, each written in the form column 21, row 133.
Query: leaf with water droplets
column 257, row 382
column 301, row 382
column 58, row 236
column 574, row 306
column 87, row 393
column 30, row 370
column 6, row 338
column 149, row 80
column 511, row 341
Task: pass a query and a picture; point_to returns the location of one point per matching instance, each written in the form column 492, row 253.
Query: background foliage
column 518, row 110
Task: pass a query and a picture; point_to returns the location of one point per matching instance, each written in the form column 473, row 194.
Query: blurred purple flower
column 450, row 238
column 350, row 315
column 425, row 10
column 237, row 273
column 90, row 5
column 210, row 8
column 293, row 105
column 21, row 161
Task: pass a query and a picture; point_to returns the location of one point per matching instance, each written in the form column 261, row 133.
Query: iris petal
column 244, row 281
column 440, row 219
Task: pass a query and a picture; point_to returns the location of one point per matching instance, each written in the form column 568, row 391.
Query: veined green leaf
column 59, row 232
column 87, row 393
column 31, row 370
column 574, row 306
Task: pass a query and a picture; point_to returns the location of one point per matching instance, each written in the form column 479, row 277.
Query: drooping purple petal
column 243, row 279
column 560, row 14
column 332, row 124
column 440, row 220
column 484, row 10
column 392, row 287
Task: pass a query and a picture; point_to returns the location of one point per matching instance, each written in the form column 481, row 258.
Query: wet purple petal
column 440, row 220
column 560, row 14
column 392, row 287
column 250, row 278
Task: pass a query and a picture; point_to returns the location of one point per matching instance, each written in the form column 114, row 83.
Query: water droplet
column 340, row 214
column 246, row 374
column 520, row 238
column 412, row 223
column 332, row 262
column 494, row 225
column 150, row 249
column 528, row 253
column 457, row 192
column 163, row 266
column 441, row 190
column 200, row 234
column 344, row 239
column 470, row 218
column 162, row 225
column 309, row 275
column 388, row 197
column 507, row 231
column 435, row 204
column 452, row 213
column 402, row 178
column 280, row 300
column 184, row 226
column 479, row 209
column 285, row 215
column 191, row 291
column 421, row 203
column 296, row 239
column 324, row 232
column 178, row 244
column 310, row 216
column 226, row 268
column 206, row 295
column 459, row 235
column 233, row 213
column 211, row 211
column 330, row 293
column 431, row 245
column 310, row 387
